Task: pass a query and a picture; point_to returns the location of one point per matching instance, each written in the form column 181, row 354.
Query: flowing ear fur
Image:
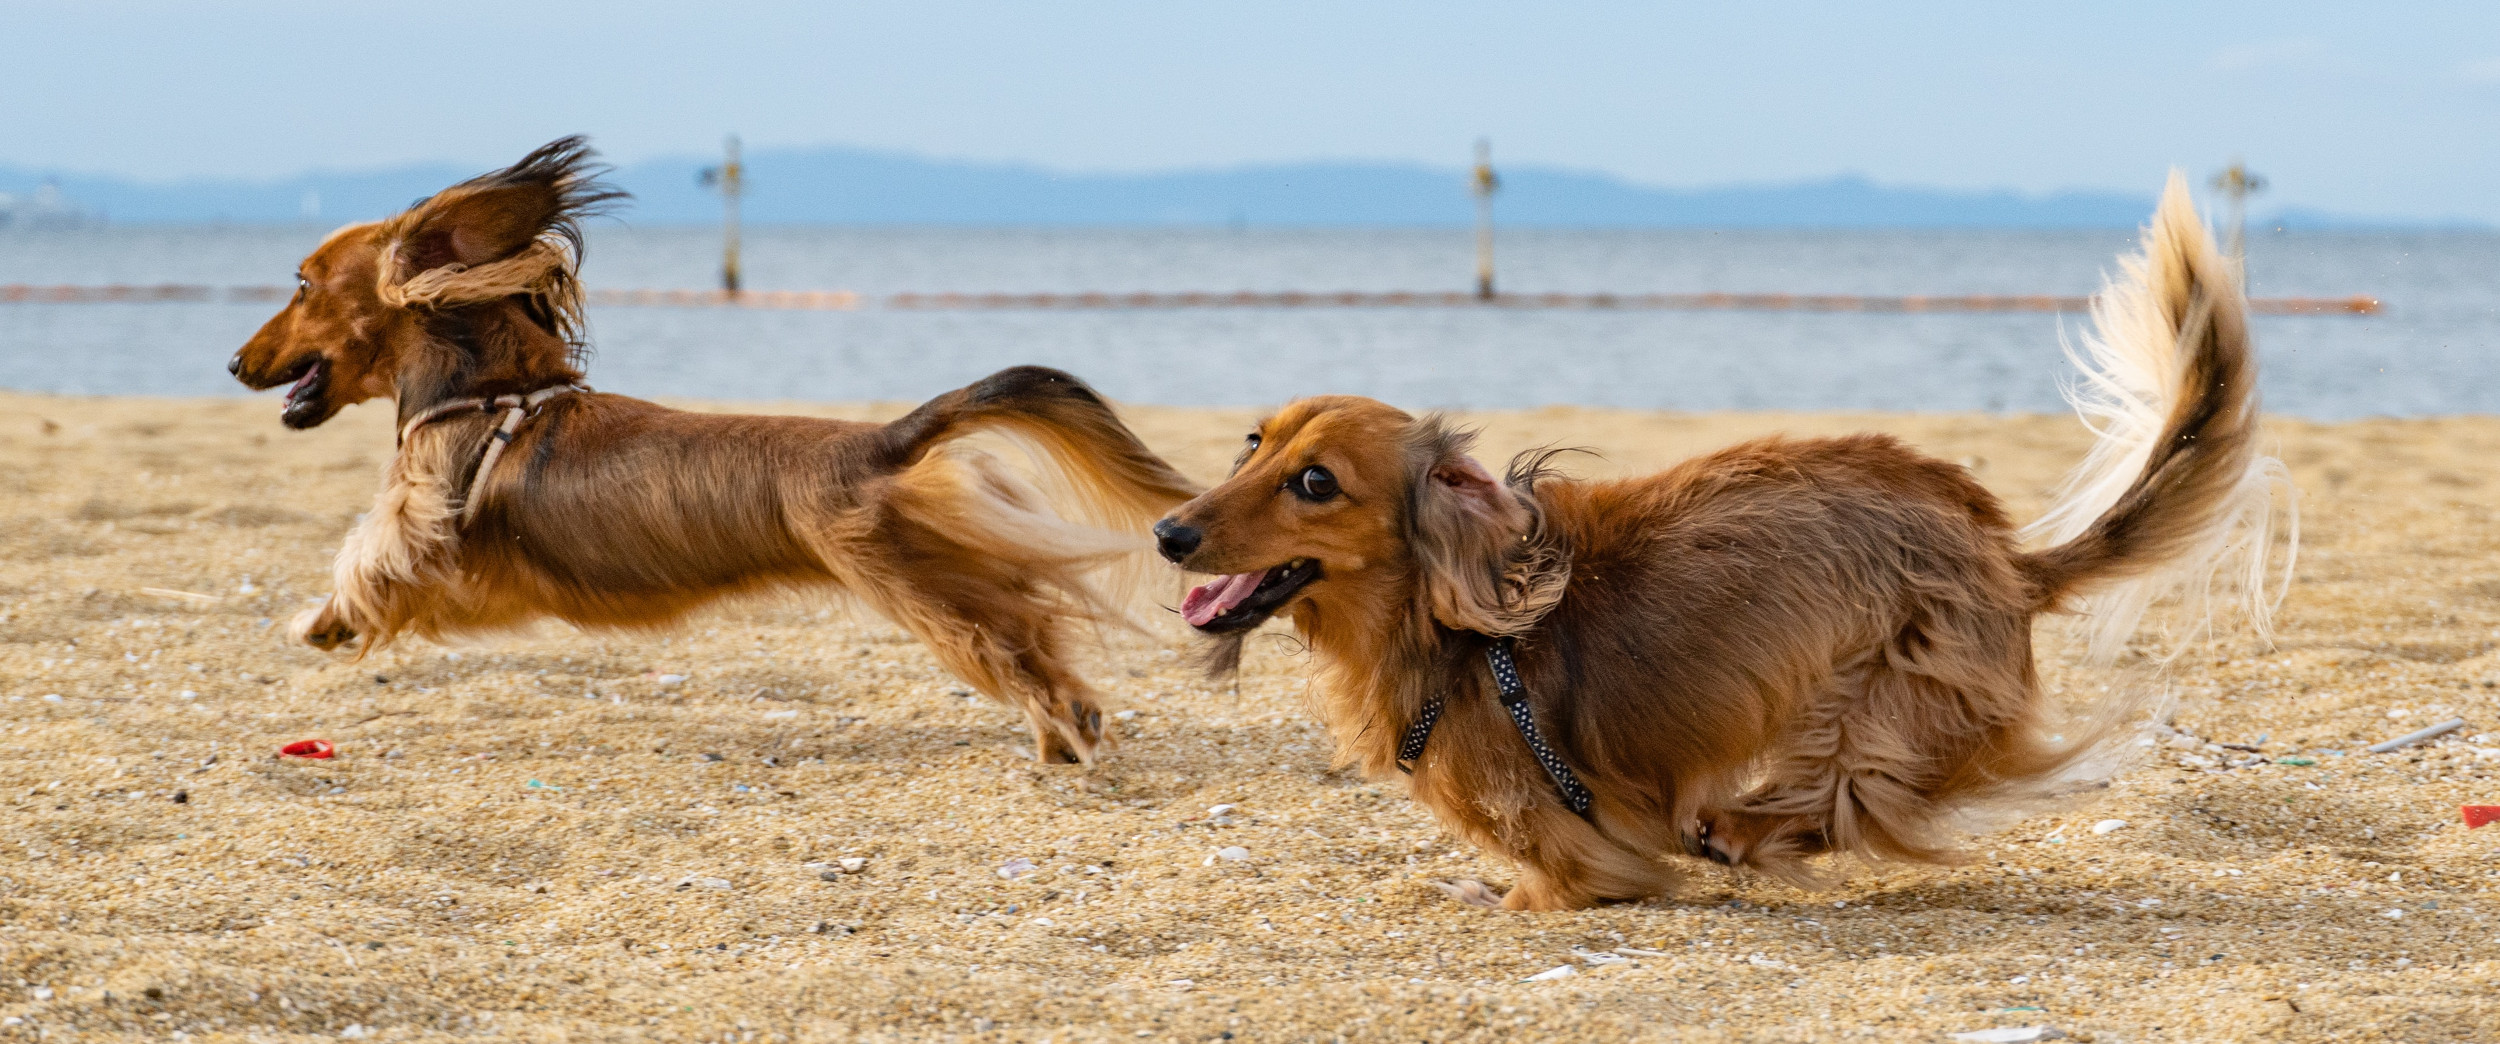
column 1479, row 543
column 514, row 232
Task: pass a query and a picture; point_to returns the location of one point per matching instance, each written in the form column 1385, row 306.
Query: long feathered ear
column 495, row 215
column 1478, row 542
column 515, row 231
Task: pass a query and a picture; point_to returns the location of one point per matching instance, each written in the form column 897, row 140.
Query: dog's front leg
column 1470, row 891
column 397, row 555
column 1534, row 891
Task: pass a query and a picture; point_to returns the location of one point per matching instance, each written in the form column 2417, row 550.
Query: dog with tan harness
column 516, row 494
column 1785, row 649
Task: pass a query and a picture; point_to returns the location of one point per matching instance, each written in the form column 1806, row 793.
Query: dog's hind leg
column 965, row 555
column 993, row 638
column 1874, row 760
column 1851, row 774
column 988, row 625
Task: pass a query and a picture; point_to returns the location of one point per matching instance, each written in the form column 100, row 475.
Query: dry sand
column 536, row 838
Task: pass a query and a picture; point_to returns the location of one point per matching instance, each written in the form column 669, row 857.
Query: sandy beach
column 784, row 823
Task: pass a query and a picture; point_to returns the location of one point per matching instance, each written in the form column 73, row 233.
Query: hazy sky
column 2366, row 108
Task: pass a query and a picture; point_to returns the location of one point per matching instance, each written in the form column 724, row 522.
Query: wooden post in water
column 730, row 177
column 2236, row 182
column 1484, row 184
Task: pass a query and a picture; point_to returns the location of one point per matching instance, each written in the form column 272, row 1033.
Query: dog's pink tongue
column 1218, row 596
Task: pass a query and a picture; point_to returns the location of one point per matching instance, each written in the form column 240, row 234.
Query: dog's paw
column 317, row 628
column 1706, row 843
column 1471, row 892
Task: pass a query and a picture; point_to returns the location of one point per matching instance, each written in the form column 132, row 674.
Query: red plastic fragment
column 2477, row 815
column 311, row 748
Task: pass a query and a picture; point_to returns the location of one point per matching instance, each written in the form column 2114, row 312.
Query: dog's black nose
column 235, row 365
column 1176, row 540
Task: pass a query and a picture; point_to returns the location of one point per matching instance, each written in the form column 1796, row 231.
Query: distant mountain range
column 849, row 186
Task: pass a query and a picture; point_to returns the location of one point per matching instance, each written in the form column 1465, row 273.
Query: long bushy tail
column 2174, row 498
column 1091, row 469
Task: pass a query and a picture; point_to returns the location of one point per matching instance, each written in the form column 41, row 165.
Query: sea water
column 2434, row 350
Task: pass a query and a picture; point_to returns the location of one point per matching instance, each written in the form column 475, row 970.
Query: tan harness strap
column 517, row 408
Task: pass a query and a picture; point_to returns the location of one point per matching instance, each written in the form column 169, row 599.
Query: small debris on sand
column 2419, row 736
column 2011, row 1035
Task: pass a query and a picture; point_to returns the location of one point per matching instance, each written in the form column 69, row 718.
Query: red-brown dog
column 1787, row 648
column 514, row 495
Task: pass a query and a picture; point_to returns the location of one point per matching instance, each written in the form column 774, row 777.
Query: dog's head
column 1347, row 501
column 473, row 284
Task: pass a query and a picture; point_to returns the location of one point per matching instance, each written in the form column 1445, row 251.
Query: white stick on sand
column 2411, row 738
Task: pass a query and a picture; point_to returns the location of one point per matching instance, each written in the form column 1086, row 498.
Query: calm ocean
column 2435, row 350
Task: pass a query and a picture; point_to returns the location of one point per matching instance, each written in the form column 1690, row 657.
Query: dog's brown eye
column 1315, row 483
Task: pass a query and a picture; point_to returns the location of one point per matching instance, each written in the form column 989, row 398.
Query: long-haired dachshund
column 1787, row 648
column 516, row 495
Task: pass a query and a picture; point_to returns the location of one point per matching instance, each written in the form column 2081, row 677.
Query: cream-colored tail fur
column 2173, row 500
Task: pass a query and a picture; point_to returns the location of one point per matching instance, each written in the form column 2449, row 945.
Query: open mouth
column 304, row 400
column 1243, row 600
